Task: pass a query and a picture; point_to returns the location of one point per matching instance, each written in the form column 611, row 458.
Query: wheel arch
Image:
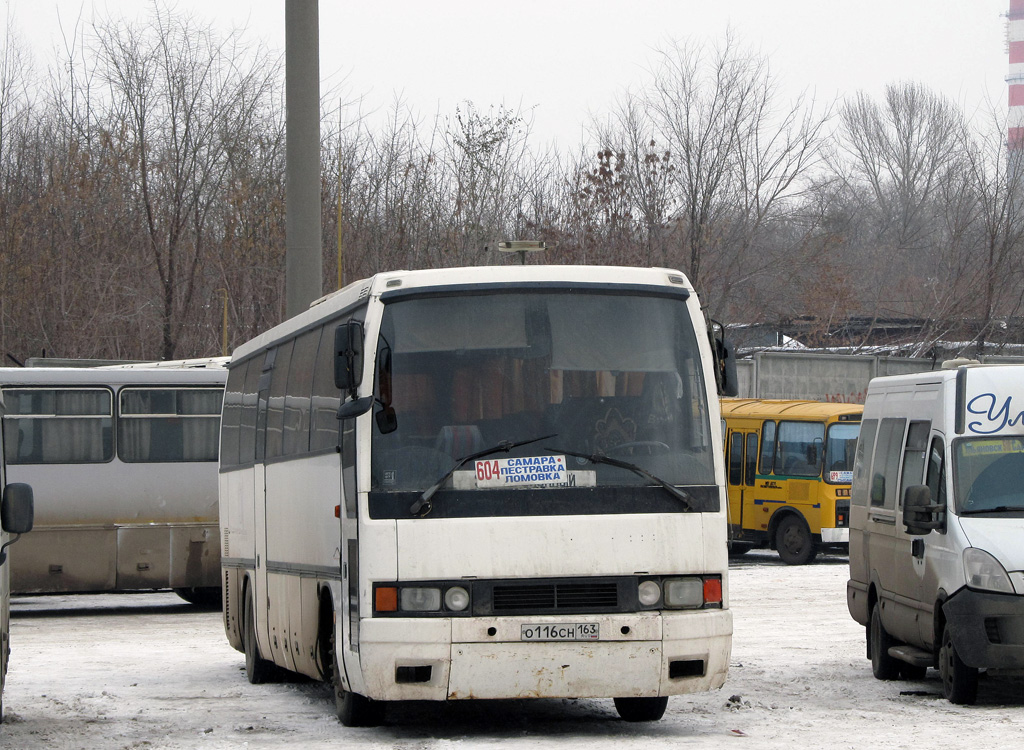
column 778, row 517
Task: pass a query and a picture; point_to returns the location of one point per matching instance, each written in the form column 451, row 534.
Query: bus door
column 259, row 584
column 348, row 606
column 742, row 462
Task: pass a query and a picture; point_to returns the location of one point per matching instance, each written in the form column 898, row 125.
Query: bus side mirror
column 348, row 356
column 920, row 514
column 725, row 354
column 17, row 509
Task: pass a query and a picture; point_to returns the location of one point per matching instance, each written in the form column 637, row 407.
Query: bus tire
column 353, row 710
column 793, row 541
column 641, row 709
column 208, row 597
column 959, row 682
column 883, row 666
column 257, row 669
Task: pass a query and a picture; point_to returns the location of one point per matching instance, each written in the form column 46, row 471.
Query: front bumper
column 638, row 655
column 987, row 629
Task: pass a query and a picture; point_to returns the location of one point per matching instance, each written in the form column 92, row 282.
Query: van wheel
column 793, row 541
column 257, row 669
column 641, row 709
column 883, row 666
column 959, row 682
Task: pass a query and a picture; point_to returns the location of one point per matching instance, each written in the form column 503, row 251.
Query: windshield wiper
column 600, row 458
column 997, row 509
column 423, row 506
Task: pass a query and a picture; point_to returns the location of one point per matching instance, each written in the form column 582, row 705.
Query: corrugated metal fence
column 826, row 377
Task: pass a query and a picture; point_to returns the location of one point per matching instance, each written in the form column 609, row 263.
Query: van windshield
column 988, row 474
column 584, row 372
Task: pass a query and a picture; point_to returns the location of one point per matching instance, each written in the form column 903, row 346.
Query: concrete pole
column 303, row 262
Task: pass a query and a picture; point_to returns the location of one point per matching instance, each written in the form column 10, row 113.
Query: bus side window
column 736, row 458
column 767, row 447
column 750, row 470
column 232, row 418
column 297, row 394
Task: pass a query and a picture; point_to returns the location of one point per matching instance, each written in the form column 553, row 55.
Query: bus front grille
column 556, row 597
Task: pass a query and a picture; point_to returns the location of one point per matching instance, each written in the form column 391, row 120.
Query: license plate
column 560, row 631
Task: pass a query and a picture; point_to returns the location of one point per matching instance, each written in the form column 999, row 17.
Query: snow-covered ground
column 148, row 671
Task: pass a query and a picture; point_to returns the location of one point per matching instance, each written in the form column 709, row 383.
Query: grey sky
column 565, row 59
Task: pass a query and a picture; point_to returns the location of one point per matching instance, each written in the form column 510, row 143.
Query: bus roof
column 84, row 376
column 355, row 293
column 787, row 408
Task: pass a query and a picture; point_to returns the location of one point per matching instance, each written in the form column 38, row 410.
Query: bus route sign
column 527, row 470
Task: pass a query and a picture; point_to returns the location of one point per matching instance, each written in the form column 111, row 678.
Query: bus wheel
column 959, row 682
column 208, row 597
column 883, row 666
column 257, row 669
column 641, row 709
column 793, row 541
column 353, row 710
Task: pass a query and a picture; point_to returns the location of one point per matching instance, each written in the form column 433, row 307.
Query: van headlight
column 985, row 573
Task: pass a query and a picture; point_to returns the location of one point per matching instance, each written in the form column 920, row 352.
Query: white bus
column 480, row 483
column 15, row 519
column 123, row 463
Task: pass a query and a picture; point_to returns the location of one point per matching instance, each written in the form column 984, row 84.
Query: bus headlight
column 456, row 598
column 684, row 593
column 649, row 593
column 420, row 599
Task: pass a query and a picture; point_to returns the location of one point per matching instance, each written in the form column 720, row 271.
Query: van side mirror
column 17, row 508
column 920, row 514
column 348, row 356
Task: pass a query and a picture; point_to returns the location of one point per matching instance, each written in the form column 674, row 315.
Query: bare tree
column 739, row 156
column 177, row 94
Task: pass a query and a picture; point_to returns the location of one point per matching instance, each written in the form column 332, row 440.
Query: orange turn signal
column 386, row 599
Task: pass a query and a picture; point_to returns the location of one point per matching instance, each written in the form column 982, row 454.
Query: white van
column 937, row 525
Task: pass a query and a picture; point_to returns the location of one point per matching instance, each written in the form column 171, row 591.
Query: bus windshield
column 988, row 474
column 840, row 448
column 569, row 374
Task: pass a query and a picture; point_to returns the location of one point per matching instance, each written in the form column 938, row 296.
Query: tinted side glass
column 862, row 462
column 767, row 447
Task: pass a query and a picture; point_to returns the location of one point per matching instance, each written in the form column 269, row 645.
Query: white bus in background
column 15, row 519
column 123, row 463
column 480, row 483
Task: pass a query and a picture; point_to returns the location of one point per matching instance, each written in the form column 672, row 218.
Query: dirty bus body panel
column 937, row 525
column 522, row 496
column 123, row 462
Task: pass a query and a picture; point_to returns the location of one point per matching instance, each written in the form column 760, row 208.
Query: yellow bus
column 789, row 466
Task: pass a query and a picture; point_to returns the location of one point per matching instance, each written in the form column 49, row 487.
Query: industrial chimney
column 1015, row 79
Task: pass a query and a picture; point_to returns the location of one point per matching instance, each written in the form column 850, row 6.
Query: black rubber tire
column 257, row 669
column 353, row 710
column 959, row 682
column 641, row 709
column 736, row 549
column 913, row 672
column 793, row 541
column 207, row 597
column 883, row 666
